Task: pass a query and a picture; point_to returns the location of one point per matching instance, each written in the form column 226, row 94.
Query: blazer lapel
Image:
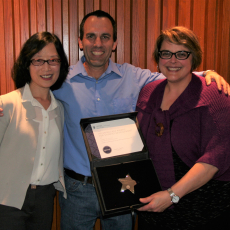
column 30, row 111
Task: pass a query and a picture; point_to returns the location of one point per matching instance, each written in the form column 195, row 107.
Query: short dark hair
column 20, row 71
column 99, row 14
column 180, row 35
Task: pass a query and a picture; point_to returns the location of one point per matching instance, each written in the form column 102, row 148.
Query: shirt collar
column 27, row 97
column 80, row 69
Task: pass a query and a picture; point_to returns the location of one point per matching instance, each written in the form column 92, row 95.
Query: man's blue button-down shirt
column 116, row 91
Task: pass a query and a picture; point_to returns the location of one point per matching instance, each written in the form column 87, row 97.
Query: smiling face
column 44, row 76
column 97, row 43
column 175, row 70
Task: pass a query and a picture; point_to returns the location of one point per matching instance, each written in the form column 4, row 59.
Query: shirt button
column 44, row 147
column 41, row 164
column 96, row 81
column 45, row 132
column 98, row 99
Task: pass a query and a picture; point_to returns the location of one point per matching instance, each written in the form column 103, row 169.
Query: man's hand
column 213, row 76
column 1, row 112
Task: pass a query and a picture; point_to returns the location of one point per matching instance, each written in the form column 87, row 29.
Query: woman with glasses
column 31, row 134
column 186, row 125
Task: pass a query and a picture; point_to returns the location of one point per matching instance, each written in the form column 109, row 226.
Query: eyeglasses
column 180, row 55
column 39, row 62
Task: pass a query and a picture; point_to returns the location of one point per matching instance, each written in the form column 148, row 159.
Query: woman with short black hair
column 31, row 136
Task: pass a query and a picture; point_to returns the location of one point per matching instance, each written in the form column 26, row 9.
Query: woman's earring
column 158, row 69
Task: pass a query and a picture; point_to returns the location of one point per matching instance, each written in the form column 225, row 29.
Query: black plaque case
column 107, row 171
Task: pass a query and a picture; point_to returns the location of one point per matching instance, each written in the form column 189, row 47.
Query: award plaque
column 121, row 169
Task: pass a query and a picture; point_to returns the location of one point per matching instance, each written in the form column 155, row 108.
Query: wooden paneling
column 41, row 12
column 57, row 214
column 17, row 28
column 169, row 13
column 9, row 45
column 199, row 13
column 139, row 23
column 50, row 16
column 185, row 13
column 73, row 32
column 65, row 22
column 124, row 31
column 153, row 30
column 210, row 28
column 225, row 37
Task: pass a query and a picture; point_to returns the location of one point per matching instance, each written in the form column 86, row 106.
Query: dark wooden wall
column 139, row 24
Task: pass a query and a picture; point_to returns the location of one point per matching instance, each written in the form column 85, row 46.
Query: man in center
column 95, row 86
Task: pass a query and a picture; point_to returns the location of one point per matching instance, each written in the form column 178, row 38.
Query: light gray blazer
column 18, row 143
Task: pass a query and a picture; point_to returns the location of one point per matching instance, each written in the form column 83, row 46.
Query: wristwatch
column 174, row 198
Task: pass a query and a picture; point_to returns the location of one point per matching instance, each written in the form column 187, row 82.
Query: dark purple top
column 199, row 121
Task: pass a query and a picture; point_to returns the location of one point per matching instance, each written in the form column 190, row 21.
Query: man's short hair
column 99, row 14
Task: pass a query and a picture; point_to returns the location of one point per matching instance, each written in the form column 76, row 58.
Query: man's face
column 97, row 42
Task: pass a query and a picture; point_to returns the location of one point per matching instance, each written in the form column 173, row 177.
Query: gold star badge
column 127, row 183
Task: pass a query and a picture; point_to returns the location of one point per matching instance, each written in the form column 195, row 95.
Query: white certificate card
column 117, row 137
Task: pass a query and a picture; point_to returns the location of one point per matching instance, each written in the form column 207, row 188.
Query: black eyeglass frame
column 188, row 54
column 48, row 62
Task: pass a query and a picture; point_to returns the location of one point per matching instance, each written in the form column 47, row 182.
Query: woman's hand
column 157, row 202
column 197, row 176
